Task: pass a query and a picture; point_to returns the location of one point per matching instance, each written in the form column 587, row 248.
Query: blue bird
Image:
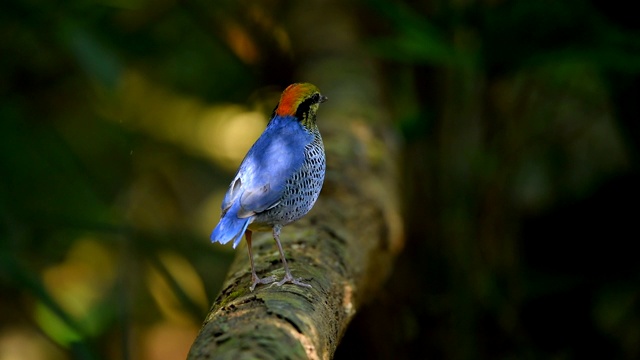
column 280, row 178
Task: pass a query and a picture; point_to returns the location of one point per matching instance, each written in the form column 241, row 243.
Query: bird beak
column 323, row 99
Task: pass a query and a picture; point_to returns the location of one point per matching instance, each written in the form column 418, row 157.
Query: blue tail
column 230, row 228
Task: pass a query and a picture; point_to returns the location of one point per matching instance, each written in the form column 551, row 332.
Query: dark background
column 122, row 122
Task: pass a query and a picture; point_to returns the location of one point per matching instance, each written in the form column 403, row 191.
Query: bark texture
column 346, row 245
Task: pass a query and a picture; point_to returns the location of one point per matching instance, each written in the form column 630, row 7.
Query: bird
column 279, row 179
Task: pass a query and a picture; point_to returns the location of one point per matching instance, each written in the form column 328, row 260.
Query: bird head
column 300, row 100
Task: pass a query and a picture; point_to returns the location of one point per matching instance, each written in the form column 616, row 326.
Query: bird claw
column 264, row 280
column 290, row 279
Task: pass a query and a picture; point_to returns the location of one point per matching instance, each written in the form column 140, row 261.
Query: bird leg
column 255, row 280
column 288, row 278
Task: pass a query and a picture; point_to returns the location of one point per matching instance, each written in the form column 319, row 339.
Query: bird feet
column 265, row 280
column 290, row 279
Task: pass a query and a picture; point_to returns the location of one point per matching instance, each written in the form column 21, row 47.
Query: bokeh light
column 122, row 122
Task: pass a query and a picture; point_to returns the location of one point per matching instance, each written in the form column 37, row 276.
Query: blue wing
column 261, row 179
column 271, row 161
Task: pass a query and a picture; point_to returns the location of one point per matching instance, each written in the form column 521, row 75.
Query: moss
column 237, row 293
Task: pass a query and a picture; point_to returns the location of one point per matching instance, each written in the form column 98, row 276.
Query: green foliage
column 418, row 39
column 520, row 122
column 75, row 260
column 520, row 119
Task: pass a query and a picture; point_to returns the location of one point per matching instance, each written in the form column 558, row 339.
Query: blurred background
column 122, row 122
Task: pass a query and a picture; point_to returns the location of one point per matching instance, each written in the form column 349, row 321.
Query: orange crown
column 292, row 96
